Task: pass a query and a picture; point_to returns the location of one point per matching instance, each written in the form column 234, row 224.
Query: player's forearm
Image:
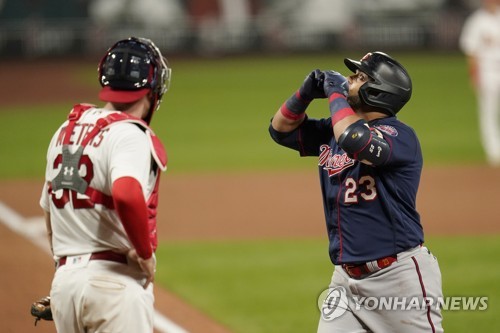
column 48, row 226
column 132, row 210
column 340, row 127
column 285, row 124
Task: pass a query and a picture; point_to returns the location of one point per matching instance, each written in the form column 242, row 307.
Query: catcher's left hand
column 41, row 309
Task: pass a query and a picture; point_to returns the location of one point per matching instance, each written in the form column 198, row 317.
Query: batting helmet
column 390, row 87
column 130, row 69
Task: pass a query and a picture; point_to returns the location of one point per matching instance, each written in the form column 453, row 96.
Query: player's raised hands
column 313, row 86
column 334, row 82
column 294, row 107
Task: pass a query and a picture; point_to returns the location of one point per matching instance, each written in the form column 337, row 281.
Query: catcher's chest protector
column 69, row 177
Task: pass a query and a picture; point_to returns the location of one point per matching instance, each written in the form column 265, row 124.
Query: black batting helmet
column 132, row 68
column 390, row 87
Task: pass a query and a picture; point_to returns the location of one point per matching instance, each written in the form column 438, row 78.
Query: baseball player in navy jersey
column 101, row 194
column 370, row 165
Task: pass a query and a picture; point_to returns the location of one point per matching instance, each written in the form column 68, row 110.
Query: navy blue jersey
column 370, row 211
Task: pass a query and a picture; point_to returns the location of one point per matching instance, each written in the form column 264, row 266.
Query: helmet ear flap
column 382, row 96
column 373, row 97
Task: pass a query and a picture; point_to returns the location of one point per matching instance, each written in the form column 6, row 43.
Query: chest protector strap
column 69, row 177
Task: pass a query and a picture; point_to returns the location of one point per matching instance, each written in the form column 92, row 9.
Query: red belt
column 357, row 271
column 103, row 255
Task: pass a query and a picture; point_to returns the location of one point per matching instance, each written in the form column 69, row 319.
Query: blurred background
column 41, row 28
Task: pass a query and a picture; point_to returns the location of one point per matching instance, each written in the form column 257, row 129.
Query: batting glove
column 335, row 82
column 336, row 88
column 312, row 88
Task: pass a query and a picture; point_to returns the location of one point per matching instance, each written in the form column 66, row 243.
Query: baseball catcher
column 100, row 198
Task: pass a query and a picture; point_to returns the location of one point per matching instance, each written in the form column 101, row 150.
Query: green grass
column 24, row 138
column 250, row 286
column 216, row 115
column 272, row 285
column 470, row 267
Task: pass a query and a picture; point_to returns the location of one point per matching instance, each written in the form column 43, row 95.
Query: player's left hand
column 335, row 82
column 41, row 309
column 312, row 87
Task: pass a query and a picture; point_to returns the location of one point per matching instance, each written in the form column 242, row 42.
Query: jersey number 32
column 66, row 193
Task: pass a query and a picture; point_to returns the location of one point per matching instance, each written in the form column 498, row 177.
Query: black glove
column 337, row 89
column 41, row 309
column 313, row 86
column 335, row 82
column 295, row 106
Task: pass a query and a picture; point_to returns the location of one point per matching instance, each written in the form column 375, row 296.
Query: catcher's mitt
column 41, row 309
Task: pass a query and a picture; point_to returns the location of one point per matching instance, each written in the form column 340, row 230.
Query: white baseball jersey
column 121, row 150
column 480, row 38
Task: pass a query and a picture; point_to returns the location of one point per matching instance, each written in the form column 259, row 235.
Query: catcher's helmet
column 390, row 87
column 132, row 68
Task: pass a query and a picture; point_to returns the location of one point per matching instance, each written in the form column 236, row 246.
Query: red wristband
column 334, row 96
column 339, row 107
column 289, row 114
column 341, row 114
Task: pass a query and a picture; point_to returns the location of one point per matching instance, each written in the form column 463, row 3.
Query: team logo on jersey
column 387, row 129
column 333, row 163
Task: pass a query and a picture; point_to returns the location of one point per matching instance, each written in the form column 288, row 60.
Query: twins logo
column 387, row 129
column 333, row 164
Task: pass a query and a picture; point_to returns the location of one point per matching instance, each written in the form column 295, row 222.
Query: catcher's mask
column 390, row 87
column 132, row 68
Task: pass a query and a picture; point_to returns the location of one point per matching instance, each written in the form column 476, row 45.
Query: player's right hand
column 335, row 82
column 313, row 86
column 148, row 266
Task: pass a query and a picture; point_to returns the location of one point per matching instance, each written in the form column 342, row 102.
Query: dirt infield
column 461, row 200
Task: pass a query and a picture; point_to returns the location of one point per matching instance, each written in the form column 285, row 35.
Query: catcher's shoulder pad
column 157, row 149
column 78, row 110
